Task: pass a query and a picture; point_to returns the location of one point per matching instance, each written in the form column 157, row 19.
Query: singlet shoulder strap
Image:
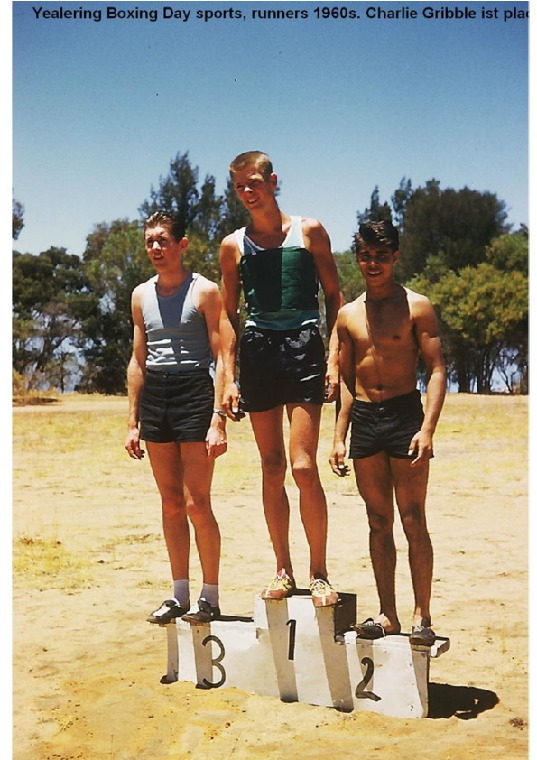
column 239, row 239
column 295, row 236
column 150, row 287
column 194, row 277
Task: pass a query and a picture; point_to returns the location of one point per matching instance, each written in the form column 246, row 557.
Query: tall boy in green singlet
column 280, row 261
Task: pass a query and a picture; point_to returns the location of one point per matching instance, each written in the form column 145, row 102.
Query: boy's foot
column 204, row 614
column 370, row 629
column 422, row 635
column 322, row 593
column 282, row 585
column 169, row 610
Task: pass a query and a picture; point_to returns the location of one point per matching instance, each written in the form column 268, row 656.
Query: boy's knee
column 274, row 466
column 304, row 470
column 413, row 520
column 380, row 522
column 198, row 509
column 173, row 505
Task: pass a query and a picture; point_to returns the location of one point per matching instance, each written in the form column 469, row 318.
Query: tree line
column 71, row 314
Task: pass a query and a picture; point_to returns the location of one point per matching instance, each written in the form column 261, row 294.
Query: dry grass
column 74, row 454
column 87, row 539
column 46, row 562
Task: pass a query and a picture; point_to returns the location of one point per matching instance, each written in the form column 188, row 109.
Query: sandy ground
column 90, row 563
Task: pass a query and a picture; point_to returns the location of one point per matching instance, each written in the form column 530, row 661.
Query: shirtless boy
column 279, row 262
column 381, row 334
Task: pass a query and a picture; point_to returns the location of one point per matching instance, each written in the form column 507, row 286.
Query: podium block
column 301, row 653
column 301, row 640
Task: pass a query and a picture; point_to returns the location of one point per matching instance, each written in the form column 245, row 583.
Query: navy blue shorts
column 176, row 406
column 281, row 367
column 385, row 426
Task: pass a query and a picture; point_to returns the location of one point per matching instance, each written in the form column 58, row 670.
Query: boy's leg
column 197, row 477
column 165, row 459
column 374, row 481
column 268, row 433
column 304, row 422
column 410, row 492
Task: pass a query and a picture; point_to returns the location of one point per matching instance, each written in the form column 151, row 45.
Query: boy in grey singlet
column 174, row 407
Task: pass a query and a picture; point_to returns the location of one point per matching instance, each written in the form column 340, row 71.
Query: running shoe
column 280, row 587
column 204, row 614
column 322, row 593
column 422, row 635
column 168, row 611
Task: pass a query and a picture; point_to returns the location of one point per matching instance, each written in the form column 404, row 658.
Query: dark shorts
column 176, row 406
column 278, row 367
column 386, row 426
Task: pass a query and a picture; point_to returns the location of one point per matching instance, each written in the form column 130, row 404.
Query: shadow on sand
column 464, row 702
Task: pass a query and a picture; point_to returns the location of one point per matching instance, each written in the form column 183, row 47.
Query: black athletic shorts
column 281, row 367
column 176, row 406
column 385, row 426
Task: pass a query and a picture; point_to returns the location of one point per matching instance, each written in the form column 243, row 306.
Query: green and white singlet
column 280, row 284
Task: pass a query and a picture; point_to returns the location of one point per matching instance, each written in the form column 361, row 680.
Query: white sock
column 181, row 591
column 209, row 591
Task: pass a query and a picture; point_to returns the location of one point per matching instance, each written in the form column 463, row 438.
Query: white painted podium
column 300, row 653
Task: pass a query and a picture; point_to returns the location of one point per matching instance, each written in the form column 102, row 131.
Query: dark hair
column 377, row 234
column 260, row 160
column 171, row 220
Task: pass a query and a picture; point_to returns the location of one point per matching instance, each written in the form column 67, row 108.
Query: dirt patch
column 90, row 563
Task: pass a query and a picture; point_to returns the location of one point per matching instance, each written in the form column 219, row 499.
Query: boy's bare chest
column 384, row 323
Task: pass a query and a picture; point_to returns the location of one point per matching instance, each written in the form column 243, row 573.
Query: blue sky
column 100, row 108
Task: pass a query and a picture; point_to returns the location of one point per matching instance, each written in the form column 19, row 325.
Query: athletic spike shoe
column 322, row 593
column 282, row 585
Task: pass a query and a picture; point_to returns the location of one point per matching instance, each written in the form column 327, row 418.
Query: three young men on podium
column 279, row 261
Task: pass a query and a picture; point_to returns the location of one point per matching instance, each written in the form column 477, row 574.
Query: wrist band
column 220, row 412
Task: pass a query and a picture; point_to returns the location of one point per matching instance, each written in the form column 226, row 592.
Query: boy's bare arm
column 229, row 325
column 346, row 391
column 318, row 242
column 136, row 377
column 426, row 330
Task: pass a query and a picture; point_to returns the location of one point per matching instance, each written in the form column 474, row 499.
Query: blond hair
column 252, row 157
